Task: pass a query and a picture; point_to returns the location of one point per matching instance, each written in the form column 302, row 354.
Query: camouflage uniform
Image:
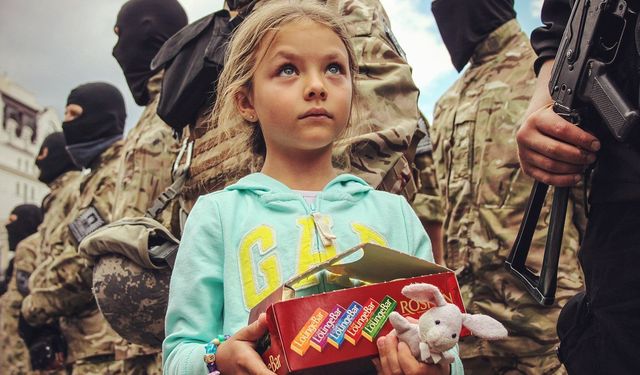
column 427, row 203
column 65, row 191
column 14, row 355
column 57, row 206
column 148, row 154
column 60, row 287
column 145, row 171
column 485, row 193
column 386, row 117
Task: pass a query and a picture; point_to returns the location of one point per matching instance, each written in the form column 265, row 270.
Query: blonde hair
column 241, row 62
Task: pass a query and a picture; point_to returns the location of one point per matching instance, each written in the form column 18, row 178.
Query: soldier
column 63, row 177
column 150, row 148
column 60, row 288
column 21, row 226
column 596, row 326
column 485, row 192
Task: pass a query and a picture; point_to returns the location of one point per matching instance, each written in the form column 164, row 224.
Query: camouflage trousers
column 539, row 365
column 144, row 365
column 14, row 357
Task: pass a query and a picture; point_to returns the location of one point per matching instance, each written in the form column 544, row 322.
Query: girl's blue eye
column 287, row 70
column 334, row 69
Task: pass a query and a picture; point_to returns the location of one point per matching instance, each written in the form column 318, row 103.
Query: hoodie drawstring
column 327, row 237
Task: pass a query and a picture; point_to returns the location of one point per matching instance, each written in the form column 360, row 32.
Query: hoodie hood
column 276, row 195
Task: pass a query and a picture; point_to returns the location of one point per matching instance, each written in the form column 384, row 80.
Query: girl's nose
column 315, row 90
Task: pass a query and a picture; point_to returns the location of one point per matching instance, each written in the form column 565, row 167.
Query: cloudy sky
column 49, row 47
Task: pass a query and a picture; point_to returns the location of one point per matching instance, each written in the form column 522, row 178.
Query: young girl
column 289, row 79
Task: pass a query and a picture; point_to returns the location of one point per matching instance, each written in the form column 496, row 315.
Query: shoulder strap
column 180, row 174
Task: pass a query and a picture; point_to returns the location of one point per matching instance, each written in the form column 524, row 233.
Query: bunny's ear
column 484, row 326
column 424, row 292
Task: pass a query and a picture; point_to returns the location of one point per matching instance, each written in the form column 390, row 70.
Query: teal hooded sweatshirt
column 241, row 243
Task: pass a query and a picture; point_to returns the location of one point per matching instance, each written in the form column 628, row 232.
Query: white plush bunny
column 438, row 329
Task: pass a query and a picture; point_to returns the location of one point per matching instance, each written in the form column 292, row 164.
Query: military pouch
column 86, row 223
column 48, row 352
column 142, row 239
column 192, row 60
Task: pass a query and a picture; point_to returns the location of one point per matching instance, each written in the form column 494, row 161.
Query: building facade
column 25, row 124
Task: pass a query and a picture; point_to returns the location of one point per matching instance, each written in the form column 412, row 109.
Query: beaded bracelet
column 210, row 353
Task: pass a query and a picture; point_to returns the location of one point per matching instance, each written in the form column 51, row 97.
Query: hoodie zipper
column 323, row 237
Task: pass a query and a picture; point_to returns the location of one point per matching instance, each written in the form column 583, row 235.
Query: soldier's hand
column 238, row 355
column 553, row 150
column 396, row 358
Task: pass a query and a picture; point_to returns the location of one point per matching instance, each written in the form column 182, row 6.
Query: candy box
column 335, row 332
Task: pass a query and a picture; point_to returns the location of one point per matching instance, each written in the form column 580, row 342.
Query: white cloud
column 197, row 9
column 416, row 31
column 536, row 7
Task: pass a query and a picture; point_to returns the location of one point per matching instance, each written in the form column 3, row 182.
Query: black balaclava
column 28, row 217
column 53, row 159
column 100, row 124
column 464, row 24
column 144, row 26
column 235, row 4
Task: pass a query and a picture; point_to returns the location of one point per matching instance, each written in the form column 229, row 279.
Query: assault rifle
column 579, row 80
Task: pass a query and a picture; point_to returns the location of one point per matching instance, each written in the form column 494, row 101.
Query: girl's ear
column 245, row 106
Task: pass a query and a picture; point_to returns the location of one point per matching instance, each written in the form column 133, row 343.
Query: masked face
column 23, row 222
column 142, row 27
column 464, row 24
column 100, row 122
column 53, row 159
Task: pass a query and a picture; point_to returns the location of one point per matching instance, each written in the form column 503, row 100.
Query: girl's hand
column 238, row 355
column 397, row 359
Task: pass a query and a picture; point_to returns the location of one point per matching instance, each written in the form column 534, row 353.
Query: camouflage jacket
column 14, row 355
column 56, row 206
column 485, row 193
column 147, row 157
column 60, row 288
column 428, row 202
column 145, row 171
column 384, row 130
